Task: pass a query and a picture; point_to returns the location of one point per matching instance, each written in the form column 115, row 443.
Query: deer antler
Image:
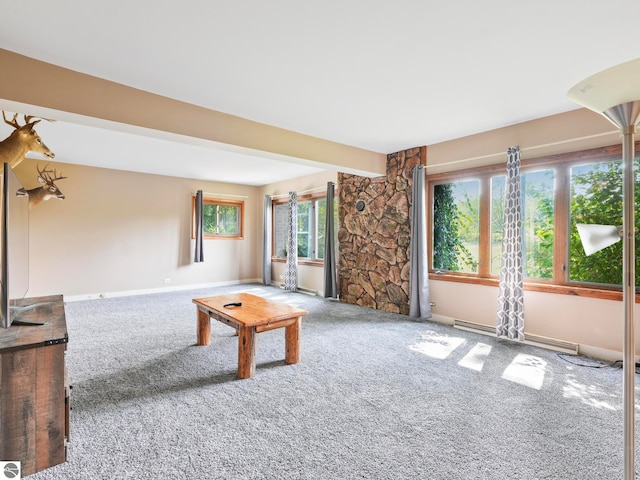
column 13, row 122
column 44, row 175
column 27, row 119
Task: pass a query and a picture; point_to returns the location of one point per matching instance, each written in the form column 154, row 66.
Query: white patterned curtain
column 291, row 272
column 266, row 241
column 510, row 321
column 419, row 298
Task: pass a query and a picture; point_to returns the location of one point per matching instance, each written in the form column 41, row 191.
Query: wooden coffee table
column 255, row 315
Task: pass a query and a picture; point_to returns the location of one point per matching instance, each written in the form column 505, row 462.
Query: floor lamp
column 615, row 94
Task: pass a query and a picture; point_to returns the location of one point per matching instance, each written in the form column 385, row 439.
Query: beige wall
column 121, row 232
column 567, row 132
column 592, row 323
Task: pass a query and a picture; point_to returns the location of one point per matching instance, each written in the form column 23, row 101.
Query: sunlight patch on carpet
column 437, row 345
column 279, row 296
column 476, row 357
column 527, row 370
column 587, row 394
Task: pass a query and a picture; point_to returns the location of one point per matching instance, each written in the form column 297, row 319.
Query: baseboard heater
column 308, row 291
column 537, row 340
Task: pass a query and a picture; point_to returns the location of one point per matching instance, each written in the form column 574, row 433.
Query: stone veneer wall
column 374, row 243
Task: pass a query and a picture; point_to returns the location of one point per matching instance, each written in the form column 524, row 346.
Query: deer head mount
column 47, row 189
column 23, row 139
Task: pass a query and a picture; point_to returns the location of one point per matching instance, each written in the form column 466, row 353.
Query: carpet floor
column 375, row 396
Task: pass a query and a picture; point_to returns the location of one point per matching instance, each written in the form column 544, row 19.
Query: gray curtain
column 291, row 272
column 330, row 283
column 419, row 298
column 510, row 321
column 266, row 241
column 199, row 253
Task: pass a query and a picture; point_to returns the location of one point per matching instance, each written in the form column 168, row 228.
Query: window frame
column 562, row 164
column 216, row 201
column 313, row 198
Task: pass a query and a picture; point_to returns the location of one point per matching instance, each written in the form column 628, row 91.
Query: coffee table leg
column 204, row 328
column 246, row 352
column 292, row 342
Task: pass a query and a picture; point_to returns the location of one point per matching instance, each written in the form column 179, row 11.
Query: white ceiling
column 383, row 76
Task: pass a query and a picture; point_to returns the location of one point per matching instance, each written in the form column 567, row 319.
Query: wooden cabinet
column 34, row 389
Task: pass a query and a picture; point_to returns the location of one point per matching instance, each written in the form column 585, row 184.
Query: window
column 305, row 230
column 456, row 226
column 311, row 228
column 596, row 197
column 280, row 226
column 557, row 192
column 221, row 218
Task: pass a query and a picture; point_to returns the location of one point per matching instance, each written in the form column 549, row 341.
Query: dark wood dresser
column 34, row 388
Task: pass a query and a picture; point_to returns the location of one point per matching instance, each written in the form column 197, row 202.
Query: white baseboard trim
column 146, row 291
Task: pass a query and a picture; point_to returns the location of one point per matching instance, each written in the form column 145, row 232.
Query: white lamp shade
column 596, row 237
column 615, row 86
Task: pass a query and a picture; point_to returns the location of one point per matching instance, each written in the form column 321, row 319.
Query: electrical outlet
column 167, row 281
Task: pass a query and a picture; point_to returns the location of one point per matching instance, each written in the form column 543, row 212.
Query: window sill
column 223, row 237
column 575, row 290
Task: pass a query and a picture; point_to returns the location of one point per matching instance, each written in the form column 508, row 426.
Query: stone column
column 374, row 234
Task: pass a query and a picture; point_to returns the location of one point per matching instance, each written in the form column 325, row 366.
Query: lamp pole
column 615, row 93
column 628, row 298
column 625, row 116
